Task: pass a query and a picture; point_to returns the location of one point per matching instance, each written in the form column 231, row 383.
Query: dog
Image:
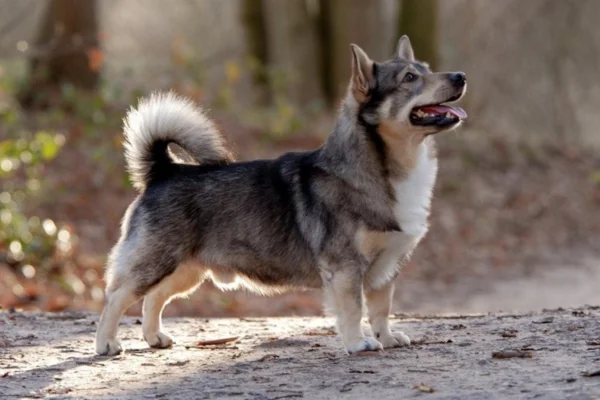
column 343, row 217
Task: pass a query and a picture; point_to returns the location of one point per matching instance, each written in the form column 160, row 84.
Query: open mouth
column 437, row 115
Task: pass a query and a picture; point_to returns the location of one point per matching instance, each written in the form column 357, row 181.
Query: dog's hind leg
column 122, row 290
column 131, row 273
column 185, row 279
column 379, row 303
column 118, row 298
column 343, row 291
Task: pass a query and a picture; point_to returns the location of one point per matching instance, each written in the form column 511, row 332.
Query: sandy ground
column 51, row 355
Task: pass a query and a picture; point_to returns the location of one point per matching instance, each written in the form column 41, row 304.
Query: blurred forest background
column 518, row 195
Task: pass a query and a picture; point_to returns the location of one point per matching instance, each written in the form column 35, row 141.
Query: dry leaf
column 216, row 341
column 95, row 59
column 424, row 388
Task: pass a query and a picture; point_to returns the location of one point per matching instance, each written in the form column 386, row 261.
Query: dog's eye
column 409, row 77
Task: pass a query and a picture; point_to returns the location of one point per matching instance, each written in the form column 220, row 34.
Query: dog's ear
column 362, row 73
column 404, row 49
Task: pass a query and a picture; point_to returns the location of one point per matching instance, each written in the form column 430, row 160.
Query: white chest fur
column 413, row 200
column 413, row 194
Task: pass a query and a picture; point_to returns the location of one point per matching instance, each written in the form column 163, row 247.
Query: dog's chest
column 412, row 203
column 413, row 194
column 411, row 209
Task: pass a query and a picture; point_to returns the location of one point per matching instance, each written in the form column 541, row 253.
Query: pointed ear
column 404, row 49
column 362, row 73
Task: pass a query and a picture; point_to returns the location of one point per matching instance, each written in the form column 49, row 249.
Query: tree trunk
column 368, row 24
column 66, row 47
column 418, row 20
column 256, row 37
column 293, row 53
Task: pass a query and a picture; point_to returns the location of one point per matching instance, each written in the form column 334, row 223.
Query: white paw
column 159, row 340
column 110, row 347
column 364, row 344
column 395, row 339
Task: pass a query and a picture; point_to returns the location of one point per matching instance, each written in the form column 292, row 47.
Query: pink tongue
column 456, row 111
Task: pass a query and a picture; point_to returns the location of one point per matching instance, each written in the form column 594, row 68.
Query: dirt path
column 51, row 355
column 553, row 285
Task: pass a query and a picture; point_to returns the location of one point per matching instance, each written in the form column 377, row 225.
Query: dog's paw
column 364, row 344
column 110, row 347
column 159, row 340
column 394, row 339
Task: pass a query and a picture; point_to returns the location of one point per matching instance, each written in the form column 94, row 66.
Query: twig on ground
column 348, row 386
column 216, row 341
column 592, row 373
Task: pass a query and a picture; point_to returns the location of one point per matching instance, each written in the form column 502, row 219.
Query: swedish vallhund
column 343, row 217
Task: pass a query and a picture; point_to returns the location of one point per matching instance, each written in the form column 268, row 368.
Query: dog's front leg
column 379, row 303
column 343, row 291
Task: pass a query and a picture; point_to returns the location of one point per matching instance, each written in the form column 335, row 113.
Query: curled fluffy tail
column 165, row 118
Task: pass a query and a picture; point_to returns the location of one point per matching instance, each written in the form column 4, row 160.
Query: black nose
column 458, row 79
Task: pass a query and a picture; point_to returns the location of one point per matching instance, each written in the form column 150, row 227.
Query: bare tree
column 65, row 43
column 552, row 99
column 256, row 36
column 418, row 20
column 292, row 49
column 369, row 24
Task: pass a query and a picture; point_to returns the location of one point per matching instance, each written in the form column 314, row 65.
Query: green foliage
column 281, row 118
column 27, row 238
column 595, row 177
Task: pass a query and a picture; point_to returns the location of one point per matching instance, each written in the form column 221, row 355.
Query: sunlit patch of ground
column 554, row 354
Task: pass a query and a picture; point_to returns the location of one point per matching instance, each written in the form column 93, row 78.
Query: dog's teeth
column 448, row 115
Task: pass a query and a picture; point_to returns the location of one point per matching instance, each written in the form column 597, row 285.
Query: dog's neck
column 363, row 149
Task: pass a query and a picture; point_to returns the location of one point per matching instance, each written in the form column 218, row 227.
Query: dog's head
column 404, row 95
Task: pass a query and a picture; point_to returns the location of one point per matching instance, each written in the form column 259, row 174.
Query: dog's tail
column 165, row 118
